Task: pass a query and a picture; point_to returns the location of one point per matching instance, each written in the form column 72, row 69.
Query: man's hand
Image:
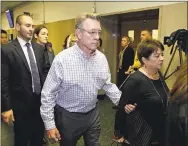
column 7, row 116
column 129, row 108
column 53, row 134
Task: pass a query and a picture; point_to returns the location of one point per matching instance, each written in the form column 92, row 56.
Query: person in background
column 70, row 40
column 69, row 97
column 65, row 42
column 41, row 37
column 99, row 44
column 177, row 115
column 146, row 88
column 126, row 59
column 4, row 37
column 21, row 85
column 50, row 52
column 144, row 35
column 7, row 133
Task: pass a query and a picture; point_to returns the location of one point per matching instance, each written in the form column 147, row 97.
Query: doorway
column 126, row 24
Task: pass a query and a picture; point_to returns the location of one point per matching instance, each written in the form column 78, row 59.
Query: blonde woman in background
column 70, row 40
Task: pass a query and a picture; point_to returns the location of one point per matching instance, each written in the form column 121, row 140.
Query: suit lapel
column 19, row 50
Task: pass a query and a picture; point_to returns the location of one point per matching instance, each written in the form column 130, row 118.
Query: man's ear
column 35, row 36
column 144, row 60
column 17, row 27
column 78, row 34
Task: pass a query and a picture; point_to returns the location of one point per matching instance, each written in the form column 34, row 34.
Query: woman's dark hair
column 3, row 31
column 100, row 42
column 147, row 47
column 179, row 92
column 38, row 29
column 65, row 42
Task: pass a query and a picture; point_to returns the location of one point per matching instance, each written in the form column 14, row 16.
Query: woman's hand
column 129, row 108
column 8, row 116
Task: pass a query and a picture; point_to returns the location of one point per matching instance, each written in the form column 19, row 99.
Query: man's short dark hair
column 18, row 18
column 3, row 31
column 100, row 41
column 147, row 31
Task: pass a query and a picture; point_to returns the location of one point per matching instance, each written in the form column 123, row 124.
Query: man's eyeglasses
column 92, row 32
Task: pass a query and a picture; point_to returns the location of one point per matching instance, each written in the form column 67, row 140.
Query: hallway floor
column 107, row 124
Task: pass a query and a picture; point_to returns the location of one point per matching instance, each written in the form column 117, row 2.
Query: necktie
column 34, row 70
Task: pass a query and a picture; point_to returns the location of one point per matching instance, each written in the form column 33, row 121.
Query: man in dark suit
column 21, row 83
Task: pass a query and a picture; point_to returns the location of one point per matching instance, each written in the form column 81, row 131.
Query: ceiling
column 5, row 5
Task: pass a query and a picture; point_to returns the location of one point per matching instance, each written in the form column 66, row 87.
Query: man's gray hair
column 79, row 19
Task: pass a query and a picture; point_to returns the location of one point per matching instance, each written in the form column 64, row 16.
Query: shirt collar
column 79, row 51
column 22, row 42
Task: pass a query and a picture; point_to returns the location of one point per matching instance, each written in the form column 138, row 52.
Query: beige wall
column 58, row 32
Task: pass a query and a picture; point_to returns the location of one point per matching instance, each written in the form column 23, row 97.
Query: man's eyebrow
column 97, row 29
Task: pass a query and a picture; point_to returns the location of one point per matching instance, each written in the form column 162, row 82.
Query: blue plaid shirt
column 73, row 82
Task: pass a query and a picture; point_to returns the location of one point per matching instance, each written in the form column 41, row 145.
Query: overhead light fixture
column 94, row 7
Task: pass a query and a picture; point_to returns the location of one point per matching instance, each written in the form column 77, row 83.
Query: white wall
column 56, row 11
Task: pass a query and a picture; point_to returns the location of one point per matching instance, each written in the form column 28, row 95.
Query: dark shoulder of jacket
column 38, row 46
column 137, row 76
column 131, row 49
column 7, row 48
column 134, row 79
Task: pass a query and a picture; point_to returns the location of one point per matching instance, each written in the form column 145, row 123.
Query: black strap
column 124, row 81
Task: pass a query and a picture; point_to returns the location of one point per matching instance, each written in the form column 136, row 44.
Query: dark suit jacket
column 128, row 58
column 16, row 80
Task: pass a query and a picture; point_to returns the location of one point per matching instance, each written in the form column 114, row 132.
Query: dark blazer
column 128, row 58
column 16, row 80
column 48, row 60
